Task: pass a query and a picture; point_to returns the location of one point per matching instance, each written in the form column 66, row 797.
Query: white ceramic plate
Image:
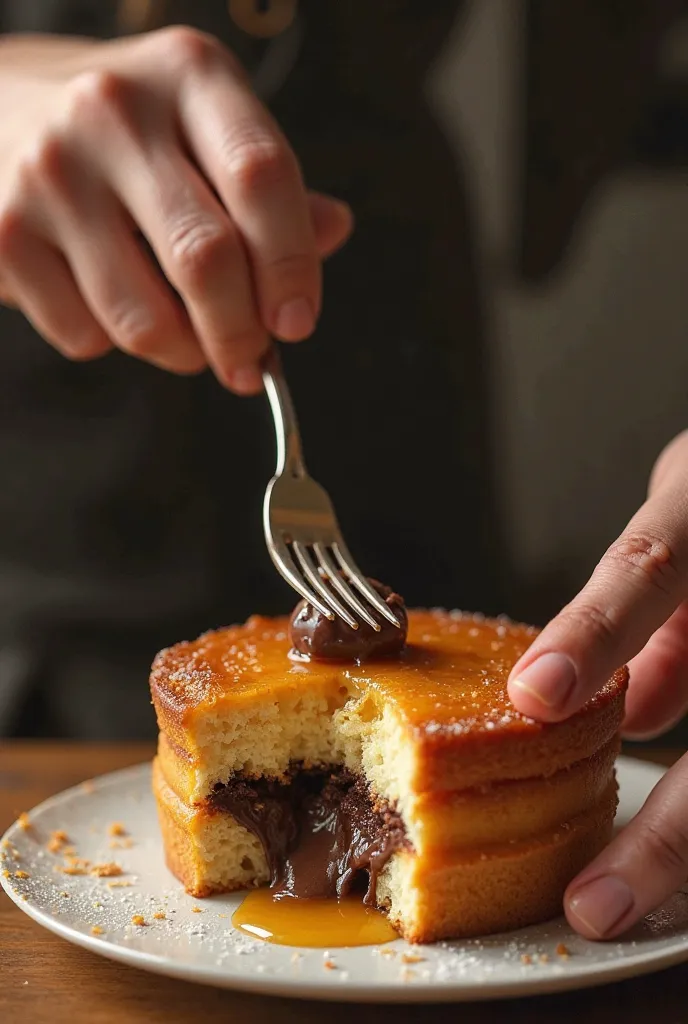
column 203, row 947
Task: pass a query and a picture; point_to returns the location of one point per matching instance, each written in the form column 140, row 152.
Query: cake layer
column 207, row 852
column 439, row 826
column 499, row 889
column 489, row 813
column 431, row 895
column 437, row 719
column 507, row 812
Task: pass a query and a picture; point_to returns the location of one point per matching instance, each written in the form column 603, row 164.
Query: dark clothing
column 130, row 511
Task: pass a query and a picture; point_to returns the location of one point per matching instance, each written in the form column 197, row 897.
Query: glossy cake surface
column 453, row 671
column 447, row 691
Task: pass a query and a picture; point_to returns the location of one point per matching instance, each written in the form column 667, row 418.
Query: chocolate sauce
column 332, row 639
column 320, row 830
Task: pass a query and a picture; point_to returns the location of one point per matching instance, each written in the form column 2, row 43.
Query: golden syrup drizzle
column 318, row 923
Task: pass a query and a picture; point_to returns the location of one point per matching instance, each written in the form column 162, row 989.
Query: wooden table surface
column 45, row 979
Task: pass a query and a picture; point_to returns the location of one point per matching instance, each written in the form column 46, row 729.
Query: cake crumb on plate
column 56, row 842
column 75, row 866
column 110, row 870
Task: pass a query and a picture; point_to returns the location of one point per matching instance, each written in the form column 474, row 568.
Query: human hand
column 634, row 609
column 157, row 136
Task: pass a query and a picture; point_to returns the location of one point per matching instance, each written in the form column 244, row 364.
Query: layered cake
column 304, row 757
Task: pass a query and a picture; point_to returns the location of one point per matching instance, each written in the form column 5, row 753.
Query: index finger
column 244, row 154
column 636, row 586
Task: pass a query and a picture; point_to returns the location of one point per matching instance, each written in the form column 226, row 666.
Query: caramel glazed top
column 445, row 681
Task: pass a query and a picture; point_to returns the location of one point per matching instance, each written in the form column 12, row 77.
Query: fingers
column 241, row 245
column 133, row 305
column 244, row 155
column 658, row 695
column 42, row 284
column 639, row 583
column 202, row 254
column 641, row 868
column 332, row 222
column 674, row 456
column 198, row 244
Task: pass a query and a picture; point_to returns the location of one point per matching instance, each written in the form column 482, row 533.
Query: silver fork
column 301, row 529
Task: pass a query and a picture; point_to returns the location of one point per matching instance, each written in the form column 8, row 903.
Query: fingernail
column 601, row 905
column 295, row 320
column 550, row 679
column 247, row 380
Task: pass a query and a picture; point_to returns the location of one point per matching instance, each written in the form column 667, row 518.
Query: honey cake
column 414, row 772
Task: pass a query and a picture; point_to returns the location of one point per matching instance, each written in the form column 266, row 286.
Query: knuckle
column 198, row 248
column 135, row 331
column 256, row 160
column 47, row 164
column 189, row 47
column 96, row 94
column 668, row 846
column 294, row 267
column 144, row 343
column 646, row 556
column 590, row 620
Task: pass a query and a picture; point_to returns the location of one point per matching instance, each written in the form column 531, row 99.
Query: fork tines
column 330, row 584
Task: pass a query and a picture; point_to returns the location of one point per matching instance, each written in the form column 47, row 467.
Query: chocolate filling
column 315, row 636
column 320, row 830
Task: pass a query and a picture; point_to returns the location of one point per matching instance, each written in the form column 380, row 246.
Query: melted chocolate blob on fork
column 324, row 639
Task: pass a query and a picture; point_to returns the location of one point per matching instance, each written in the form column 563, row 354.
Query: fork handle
column 289, row 453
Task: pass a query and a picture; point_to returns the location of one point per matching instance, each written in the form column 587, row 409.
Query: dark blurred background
column 574, row 121
column 501, row 357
